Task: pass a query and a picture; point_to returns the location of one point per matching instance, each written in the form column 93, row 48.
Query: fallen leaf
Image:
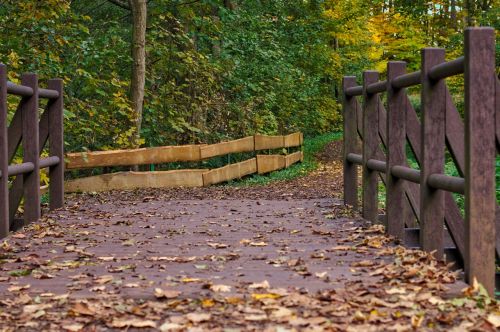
column 260, row 285
column 167, row 294
column 220, row 288
column 198, row 317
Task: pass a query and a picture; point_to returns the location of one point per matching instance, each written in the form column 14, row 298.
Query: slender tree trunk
column 139, row 17
column 453, row 14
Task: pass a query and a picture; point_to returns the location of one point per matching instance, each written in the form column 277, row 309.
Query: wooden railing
column 26, row 128
column 425, row 194
column 186, row 153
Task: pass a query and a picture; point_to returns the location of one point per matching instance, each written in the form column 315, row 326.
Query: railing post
column 480, row 198
column 56, row 145
column 396, row 151
column 350, row 134
column 4, row 159
column 432, row 153
column 370, row 145
column 31, row 150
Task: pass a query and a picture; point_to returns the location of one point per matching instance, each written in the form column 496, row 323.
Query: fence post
column 56, row 145
column 370, row 145
column 31, row 150
column 4, row 159
column 480, row 198
column 432, row 153
column 350, row 134
column 396, row 151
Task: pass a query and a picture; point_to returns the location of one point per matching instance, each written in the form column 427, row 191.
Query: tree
column 138, row 8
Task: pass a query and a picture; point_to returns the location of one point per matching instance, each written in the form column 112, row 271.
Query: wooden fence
column 188, row 153
column 30, row 131
column 426, row 193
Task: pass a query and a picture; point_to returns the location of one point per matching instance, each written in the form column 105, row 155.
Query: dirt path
column 285, row 257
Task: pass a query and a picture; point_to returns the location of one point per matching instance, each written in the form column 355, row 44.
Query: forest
column 168, row 72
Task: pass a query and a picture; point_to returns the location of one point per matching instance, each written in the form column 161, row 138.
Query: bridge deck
column 287, row 255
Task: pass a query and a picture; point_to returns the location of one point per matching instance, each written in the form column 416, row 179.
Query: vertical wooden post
column 56, row 145
column 370, row 145
column 31, row 150
column 4, row 159
column 432, row 153
column 480, row 198
column 396, row 151
column 350, row 134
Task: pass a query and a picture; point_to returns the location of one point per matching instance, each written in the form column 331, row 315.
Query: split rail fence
column 187, row 153
column 29, row 131
column 425, row 194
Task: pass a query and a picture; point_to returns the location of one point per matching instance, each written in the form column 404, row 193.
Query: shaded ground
column 288, row 256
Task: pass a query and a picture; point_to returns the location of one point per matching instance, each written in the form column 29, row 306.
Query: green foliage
column 220, row 69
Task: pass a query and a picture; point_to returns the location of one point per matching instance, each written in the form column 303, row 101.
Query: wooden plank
column 480, row 201
column 432, row 157
column 263, row 142
column 4, row 160
column 350, row 140
column 156, row 155
column 16, row 191
column 230, row 172
column 370, row 145
column 269, row 163
column 246, row 144
column 293, row 140
column 396, row 152
column 293, row 158
column 137, row 180
column 56, row 144
column 453, row 218
column 31, row 181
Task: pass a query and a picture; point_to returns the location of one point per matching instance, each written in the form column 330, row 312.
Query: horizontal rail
column 377, row 87
column 180, row 153
column 376, row 165
column 48, row 93
column 19, row 90
column 406, row 80
column 445, row 182
column 26, row 91
column 354, row 91
column 406, row 173
column 447, row 69
column 354, row 158
column 21, row 168
column 49, row 161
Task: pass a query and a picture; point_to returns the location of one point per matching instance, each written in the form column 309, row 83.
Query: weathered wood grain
column 293, row 140
column 56, row 144
column 370, row 146
column 350, row 139
column 263, row 142
column 269, row 163
column 136, row 180
column 293, row 158
column 230, row 172
column 432, row 156
column 156, row 155
column 4, row 160
column 31, row 149
column 396, row 204
column 480, row 201
column 246, row 144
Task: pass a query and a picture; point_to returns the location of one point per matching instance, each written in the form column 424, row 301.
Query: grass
column 312, row 146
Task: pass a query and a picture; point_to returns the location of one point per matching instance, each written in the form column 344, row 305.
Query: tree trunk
column 139, row 17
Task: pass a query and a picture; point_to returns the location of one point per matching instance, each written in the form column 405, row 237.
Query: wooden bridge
column 425, row 194
column 292, row 252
